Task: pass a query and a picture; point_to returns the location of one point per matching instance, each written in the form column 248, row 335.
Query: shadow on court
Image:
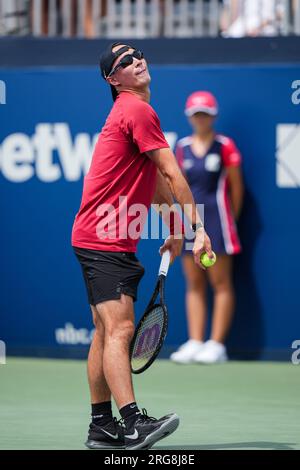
column 234, row 445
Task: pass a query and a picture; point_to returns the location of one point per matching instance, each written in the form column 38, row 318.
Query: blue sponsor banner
column 49, row 120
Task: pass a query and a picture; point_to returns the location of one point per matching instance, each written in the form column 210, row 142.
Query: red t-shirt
column 120, row 176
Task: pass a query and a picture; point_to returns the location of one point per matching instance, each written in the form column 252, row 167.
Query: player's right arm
column 163, row 203
column 166, row 162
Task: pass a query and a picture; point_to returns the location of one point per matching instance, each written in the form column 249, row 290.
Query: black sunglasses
column 126, row 60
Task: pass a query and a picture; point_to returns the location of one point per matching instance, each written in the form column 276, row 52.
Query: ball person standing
column 211, row 163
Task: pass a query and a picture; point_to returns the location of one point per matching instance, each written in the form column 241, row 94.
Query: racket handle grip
column 165, row 263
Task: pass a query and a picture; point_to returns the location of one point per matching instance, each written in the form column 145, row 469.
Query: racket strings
column 148, row 338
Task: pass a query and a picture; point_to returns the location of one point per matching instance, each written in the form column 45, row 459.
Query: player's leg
column 141, row 431
column 102, row 277
column 220, row 278
column 195, row 310
column 103, row 429
column 117, row 317
column 99, row 389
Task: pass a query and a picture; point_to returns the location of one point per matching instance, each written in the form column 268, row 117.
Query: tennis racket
column 151, row 330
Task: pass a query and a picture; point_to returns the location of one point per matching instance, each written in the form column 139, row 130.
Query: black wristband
column 196, row 227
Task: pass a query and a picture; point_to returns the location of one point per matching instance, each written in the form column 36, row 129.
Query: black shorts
column 109, row 274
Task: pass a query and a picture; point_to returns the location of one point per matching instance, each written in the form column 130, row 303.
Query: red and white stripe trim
column 231, row 240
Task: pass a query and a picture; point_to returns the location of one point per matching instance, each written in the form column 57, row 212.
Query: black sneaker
column 110, row 436
column 146, row 431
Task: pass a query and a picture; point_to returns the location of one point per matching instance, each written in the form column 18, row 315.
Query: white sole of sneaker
column 165, row 430
column 95, row 445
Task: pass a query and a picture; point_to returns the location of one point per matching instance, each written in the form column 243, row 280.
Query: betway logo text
column 22, row 157
column 50, row 154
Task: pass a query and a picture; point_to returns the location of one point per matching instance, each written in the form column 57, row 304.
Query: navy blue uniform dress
column 208, row 180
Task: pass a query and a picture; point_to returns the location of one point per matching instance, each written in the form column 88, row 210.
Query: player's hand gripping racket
column 151, row 330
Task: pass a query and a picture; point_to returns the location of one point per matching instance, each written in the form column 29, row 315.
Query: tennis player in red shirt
column 132, row 167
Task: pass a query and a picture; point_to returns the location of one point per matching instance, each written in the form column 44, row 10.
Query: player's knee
column 122, row 331
column 129, row 332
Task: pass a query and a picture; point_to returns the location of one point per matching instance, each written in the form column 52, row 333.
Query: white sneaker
column 187, row 351
column 212, row 352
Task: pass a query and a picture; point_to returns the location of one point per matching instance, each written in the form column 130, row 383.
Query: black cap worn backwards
column 107, row 59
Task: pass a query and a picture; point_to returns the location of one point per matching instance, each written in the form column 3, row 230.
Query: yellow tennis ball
column 206, row 261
